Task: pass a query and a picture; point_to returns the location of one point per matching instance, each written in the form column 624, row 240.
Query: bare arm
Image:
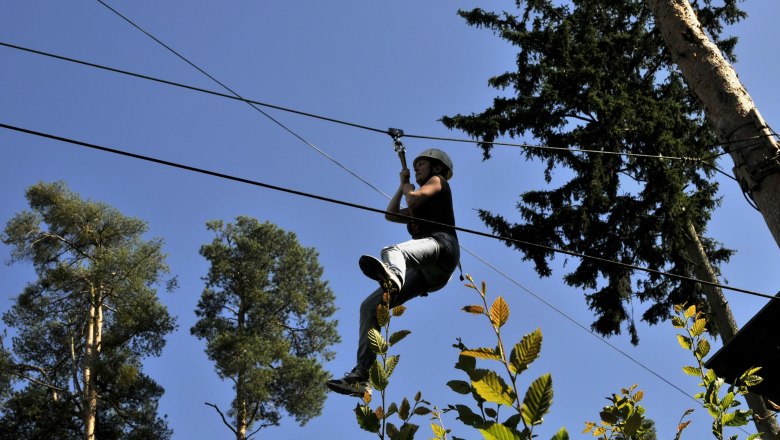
column 394, row 206
column 415, row 199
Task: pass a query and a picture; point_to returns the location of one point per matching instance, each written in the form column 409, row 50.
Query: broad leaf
column 366, row 418
column 459, row 386
column 685, row 342
column 477, row 310
column 378, row 376
column 562, row 434
column 499, row 312
column 390, row 364
column 406, row 432
column 466, row 363
column 538, row 400
column 698, row 327
column 398, row 336
column 382, row 315
column 468, row 417
column 482, row 353
column 377, row 342
column 525, row 352
column 492, row 388
column 498, row 431
column 438, row 431
column 702, row 349
column 403, row 410
column 692, row 371
column 398, row 311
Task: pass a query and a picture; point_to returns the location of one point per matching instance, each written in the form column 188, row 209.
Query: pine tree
column 84, row 326
column 265, row 317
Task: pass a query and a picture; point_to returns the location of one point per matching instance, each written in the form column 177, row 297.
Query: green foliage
column 491, row 391
column 597, row 76
column 378, row 420
column 719, row 405
column 265, row 315
column 623, row 419
column 95, row 271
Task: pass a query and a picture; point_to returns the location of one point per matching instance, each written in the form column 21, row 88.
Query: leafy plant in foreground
column 489, row 388
column 377, row 420
column 693, row 322
column 624, row 419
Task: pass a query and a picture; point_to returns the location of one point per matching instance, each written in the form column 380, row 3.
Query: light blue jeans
column 423, row 265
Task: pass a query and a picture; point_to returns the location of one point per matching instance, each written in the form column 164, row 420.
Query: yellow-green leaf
column 498, row 431
column 562, row 434
column 702, row 348
column 678, row 322
column 492, row 388
column 698, row 327
column 538, row 400
column 690, row 312
column 438, row 431
column 390, row 364
column 692, row 371
column 685, row 342
column 499, row 312
column 377, row 342
column 482, row 353
column 378, row 376
column 525, row 352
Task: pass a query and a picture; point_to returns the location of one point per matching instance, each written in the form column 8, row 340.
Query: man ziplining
column 413, row 268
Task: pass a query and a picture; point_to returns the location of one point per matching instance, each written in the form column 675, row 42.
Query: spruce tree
column 596, row 75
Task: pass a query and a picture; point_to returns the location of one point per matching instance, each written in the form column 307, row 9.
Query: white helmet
column 434, row 153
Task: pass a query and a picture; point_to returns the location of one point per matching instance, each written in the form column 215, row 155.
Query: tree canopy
column 596, row 75
column 265, row 317
column 84, row 326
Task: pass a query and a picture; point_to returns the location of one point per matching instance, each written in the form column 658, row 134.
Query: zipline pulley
column 397, row 134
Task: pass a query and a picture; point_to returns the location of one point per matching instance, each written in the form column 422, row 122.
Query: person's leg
column 412, row 254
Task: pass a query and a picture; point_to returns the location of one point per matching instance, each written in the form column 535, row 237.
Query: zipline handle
column 396, row 134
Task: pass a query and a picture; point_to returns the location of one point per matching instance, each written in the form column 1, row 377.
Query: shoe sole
column 345, row 389
column 375, row 269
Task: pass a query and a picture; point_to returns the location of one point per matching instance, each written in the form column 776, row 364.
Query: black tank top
column 437, row 209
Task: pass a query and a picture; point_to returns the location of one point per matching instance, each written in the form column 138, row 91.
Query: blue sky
column 400, row 64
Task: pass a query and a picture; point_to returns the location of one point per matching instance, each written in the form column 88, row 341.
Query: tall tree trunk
column 727, row 105
column 90, row 355
column 727, row 326
column 241, row 408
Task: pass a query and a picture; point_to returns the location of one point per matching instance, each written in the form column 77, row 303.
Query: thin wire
column 380, row 211
column 234, row 93
column 388, row 197
column 255, row 103
column 234, row 96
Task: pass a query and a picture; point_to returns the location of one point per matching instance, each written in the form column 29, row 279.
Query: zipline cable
column 473, row 254
column 255, row 103
column 379, row 211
